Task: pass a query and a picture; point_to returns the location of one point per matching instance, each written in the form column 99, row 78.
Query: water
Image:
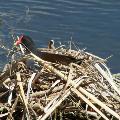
column 94, row 24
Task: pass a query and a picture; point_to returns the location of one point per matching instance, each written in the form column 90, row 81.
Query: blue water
column 93, row 24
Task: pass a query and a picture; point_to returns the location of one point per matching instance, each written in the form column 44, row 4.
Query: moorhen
column 27, row 44
column 51, row 45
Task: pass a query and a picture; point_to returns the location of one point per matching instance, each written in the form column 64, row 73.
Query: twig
column 89, row 103
column 22, row 94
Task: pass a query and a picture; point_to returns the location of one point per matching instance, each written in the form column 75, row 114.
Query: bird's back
column 55, row 58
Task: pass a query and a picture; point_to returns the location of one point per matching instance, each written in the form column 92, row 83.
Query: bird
column 51, row 45
column 28, row 46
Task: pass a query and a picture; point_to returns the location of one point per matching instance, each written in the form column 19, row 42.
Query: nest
column 34, row 89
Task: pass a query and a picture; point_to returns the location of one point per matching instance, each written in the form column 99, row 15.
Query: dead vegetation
column 34, row 89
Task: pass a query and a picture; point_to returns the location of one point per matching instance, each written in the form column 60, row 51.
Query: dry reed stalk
column 57, row 103
column 89, row 103
column 107, row 78
column 12, row 109
column 83, row 91
column 22, row 94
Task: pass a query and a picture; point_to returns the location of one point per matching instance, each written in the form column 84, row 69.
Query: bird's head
column 51, row 44
column 25, row 42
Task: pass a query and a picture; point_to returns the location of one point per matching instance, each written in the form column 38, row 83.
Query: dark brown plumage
column 28, row 43
column 55, row 58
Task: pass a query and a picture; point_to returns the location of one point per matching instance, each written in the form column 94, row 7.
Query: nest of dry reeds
column 34, row 89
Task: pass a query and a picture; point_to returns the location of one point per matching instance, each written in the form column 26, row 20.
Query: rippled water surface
column 94, row 24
